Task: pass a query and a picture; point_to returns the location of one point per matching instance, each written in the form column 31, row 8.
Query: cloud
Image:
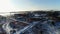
column 6, row 6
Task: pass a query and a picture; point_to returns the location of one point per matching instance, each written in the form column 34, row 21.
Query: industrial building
column 37, row 22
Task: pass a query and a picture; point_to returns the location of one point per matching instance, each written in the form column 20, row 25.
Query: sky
column 28, row 5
